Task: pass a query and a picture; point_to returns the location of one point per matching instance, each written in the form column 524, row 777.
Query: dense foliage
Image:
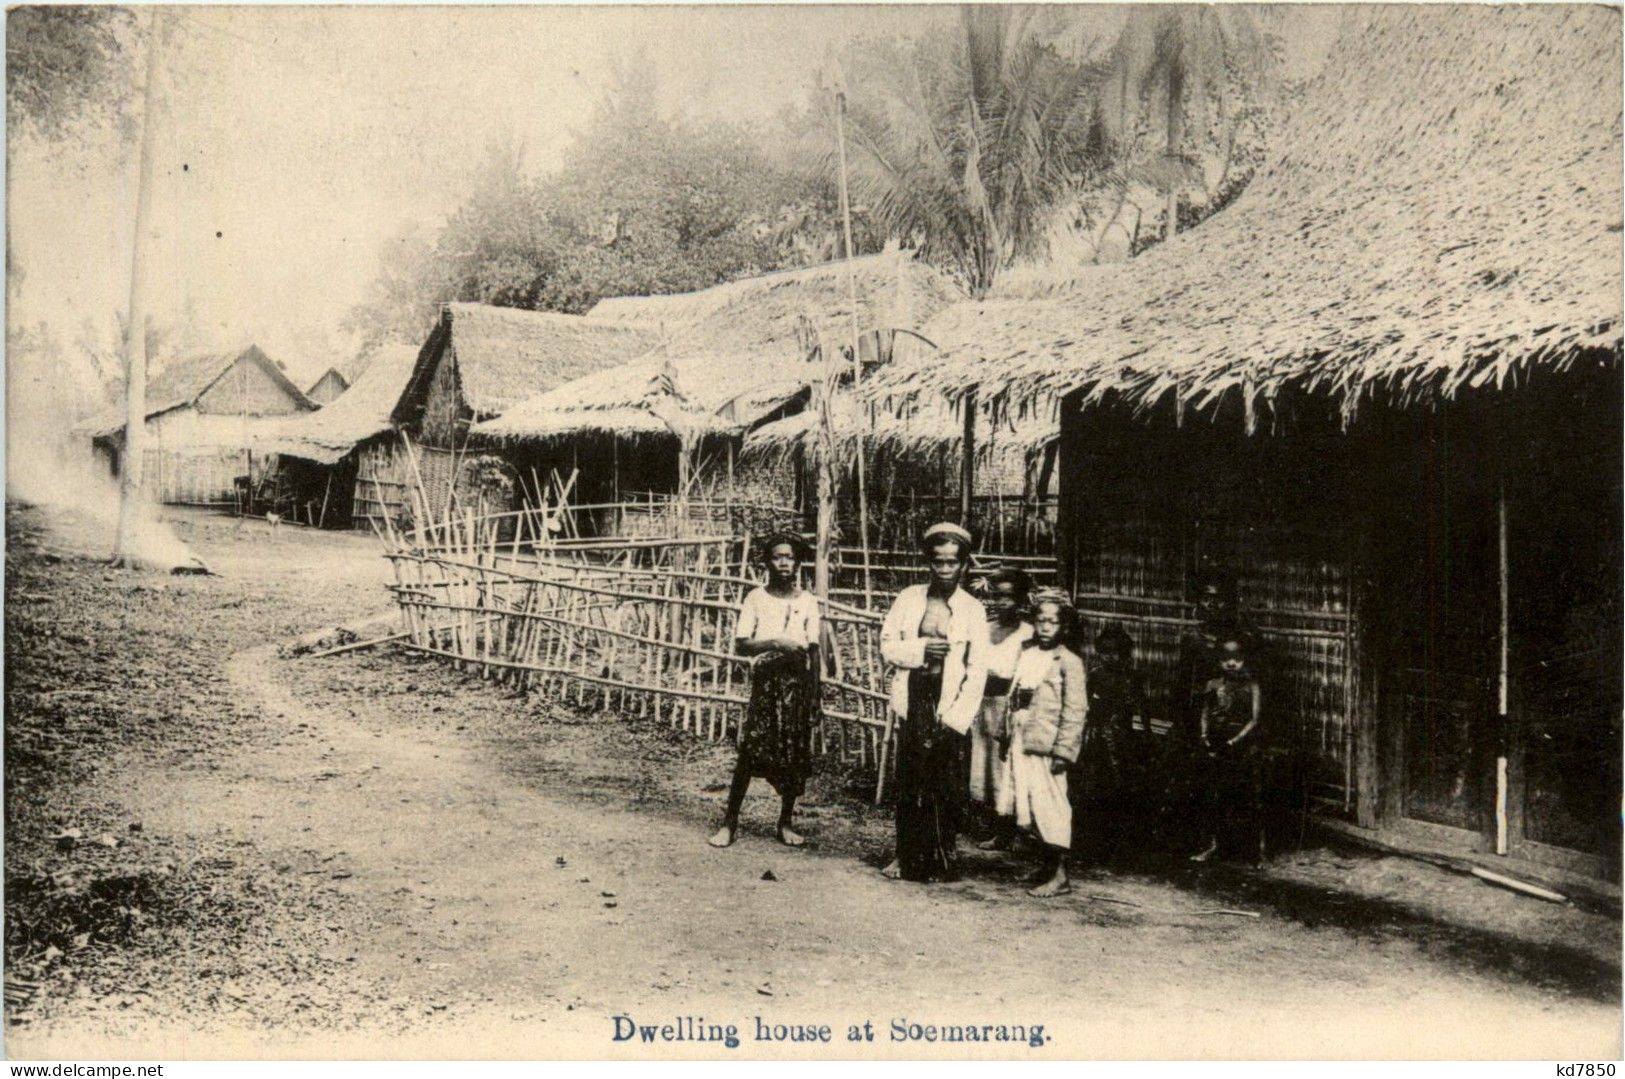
column 644, row 204
column 1019, row 135
column 63, row 64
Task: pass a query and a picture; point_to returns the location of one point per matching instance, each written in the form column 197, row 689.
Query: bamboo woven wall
column 204, row 477
column 1152, row 505
column 381, row 499
column 909, row 492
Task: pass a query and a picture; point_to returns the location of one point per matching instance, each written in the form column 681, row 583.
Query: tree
column 1171, row 60
column 642, row 205
column 65, row 64
column 125, row 549
column 657, row 205
column 962, row 142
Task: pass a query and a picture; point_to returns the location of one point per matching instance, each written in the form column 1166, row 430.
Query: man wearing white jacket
column 935, row 635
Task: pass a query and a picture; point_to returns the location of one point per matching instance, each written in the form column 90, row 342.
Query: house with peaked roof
column 327, row 388
column 204, row 413
column 479, row 361
column 1378, row 398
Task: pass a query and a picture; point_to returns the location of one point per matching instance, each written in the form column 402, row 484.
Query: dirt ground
column 213, row 850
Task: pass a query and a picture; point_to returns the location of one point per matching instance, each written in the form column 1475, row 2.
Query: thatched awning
column 734, row 353
column 926, row 426
column 1442, row 210
column 359, row 413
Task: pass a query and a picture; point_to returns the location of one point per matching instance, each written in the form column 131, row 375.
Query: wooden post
column 824, row 467
column 967, row 464
column 1503, row 673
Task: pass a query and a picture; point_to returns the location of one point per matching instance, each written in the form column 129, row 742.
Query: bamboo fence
column 643, row 625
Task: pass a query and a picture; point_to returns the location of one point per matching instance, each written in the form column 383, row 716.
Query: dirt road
column 409, row 852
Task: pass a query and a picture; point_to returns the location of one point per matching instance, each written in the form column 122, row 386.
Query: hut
column 729, row 359
column 319, row 478
column 477, row 363
column 326, row 389
column 204, row 413
column 1382, row 392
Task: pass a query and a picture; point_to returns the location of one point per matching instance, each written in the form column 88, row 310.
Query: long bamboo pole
column 857, row 368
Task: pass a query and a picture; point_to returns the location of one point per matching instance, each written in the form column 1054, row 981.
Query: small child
column 1049, row 699
column 1228, row 731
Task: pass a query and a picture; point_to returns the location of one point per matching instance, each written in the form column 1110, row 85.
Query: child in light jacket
column 1049, row 701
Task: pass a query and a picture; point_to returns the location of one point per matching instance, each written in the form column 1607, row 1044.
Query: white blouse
column 764, row 616
column 1002, row 655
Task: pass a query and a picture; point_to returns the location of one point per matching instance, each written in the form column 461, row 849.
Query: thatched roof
column 183, row 379
column 671, row 311
column 734, row 352
column 1442, row 209
column 505, row 355
column 363, row 410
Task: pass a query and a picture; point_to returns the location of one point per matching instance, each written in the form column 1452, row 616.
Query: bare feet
column 724, row 836
column 1207, row 852
column 789, row 837
column 998, row 842
column 1056, row 885
column 892, row 871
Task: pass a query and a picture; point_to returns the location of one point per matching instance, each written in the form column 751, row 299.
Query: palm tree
column 1171, row 57
column 960, row 143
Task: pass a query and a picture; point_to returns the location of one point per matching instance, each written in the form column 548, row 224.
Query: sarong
column 930, row 784
column 776, row 744
column 989, row 774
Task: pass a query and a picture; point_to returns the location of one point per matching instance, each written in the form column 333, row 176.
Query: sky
column 298, row 141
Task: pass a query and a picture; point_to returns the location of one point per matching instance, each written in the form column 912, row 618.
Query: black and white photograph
column 814, row 532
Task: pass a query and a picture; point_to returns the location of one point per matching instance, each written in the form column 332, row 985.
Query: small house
column 204, row 414
column 326, row 389
column 477, row 363
column 335, row 465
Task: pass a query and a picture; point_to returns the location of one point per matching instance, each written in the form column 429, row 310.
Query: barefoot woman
column 935, row 634
column 778, row 624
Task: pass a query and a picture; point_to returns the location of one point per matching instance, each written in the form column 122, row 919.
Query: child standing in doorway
column 1228, row 732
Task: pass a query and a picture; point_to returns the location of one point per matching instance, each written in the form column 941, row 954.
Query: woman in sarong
column 935, row 635
column 1007, row 631
column 778, row 624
